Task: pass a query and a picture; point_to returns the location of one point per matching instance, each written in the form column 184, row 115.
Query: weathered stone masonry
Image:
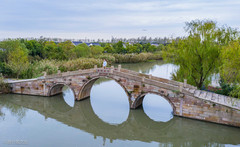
column 185, row 99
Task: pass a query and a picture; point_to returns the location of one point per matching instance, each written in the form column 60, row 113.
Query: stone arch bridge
column 185, row 99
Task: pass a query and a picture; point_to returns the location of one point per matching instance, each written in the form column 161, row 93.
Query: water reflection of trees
column 2, row 115
column 16, row 110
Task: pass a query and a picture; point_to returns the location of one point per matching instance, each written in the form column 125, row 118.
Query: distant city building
column 95, row 44
column 56, row 42
column 77, row 42
column 155, row 44
column 88, row 44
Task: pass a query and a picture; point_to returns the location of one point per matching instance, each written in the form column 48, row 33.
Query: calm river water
column 105, row 119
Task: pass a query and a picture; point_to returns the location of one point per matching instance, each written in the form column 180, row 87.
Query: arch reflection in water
column 109, row 101
column 68, row 96
column 157, row 108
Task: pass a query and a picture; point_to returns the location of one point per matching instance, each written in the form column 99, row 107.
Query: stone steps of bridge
column 214, row 97
column 158, row 79
column 197, row 93
column 202, row 94
column 217, row 98
column 222, row 99
column 192, row 90
column 209, row 95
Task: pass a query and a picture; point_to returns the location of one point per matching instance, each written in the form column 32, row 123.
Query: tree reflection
column 16, row 110
column 2, row 115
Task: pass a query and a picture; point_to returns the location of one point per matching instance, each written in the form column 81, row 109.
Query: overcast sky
column 105, row 18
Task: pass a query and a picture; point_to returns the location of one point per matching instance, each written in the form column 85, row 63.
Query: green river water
column 105, row 119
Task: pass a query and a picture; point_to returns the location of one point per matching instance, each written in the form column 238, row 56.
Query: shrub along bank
column 51, row 66
column 21, row 58
column 4, row 87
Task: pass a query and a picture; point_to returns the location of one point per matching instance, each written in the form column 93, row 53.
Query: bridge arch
column 86, row 87
column 138, row 101
column 57, row 89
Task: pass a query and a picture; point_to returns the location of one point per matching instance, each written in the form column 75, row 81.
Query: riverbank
column 4, row 87
column 51, row 66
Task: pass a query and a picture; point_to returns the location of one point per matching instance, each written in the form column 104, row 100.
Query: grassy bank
column 81, row 63
column 130, row 58
column 135, row 58
column 52, row 66
column 36, row 68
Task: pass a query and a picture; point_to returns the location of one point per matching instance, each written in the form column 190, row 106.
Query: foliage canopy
column 197, row 54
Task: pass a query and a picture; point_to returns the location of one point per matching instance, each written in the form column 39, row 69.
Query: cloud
column 112, row 16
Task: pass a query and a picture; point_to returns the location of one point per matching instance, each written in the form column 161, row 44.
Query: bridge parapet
column 139, row 77
column 150, row 81
column 144, row 78
column 176, row 83
column 218, row 99
column 69, row 73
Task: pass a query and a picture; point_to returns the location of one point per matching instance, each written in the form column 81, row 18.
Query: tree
column 230, row 68
column 139, row 47
column 132, row 48
column 18, row 60
column 50, row 50
column 8, row 64
column 66, row 48
column 196, row 55
column 34, row 47
column 160, row 47
column 146, row 47
column 8, row 46
column 82, row 50
column 2, row 55
column 96, row 50
column 4, row 69
column 108, row 48
column 119, row 47
column 152, row 48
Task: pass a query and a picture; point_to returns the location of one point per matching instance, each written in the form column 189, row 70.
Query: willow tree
column 18, row 60
column 230, row 67
column 197, row 55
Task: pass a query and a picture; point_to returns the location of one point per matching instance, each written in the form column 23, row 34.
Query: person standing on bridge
column 104, row 63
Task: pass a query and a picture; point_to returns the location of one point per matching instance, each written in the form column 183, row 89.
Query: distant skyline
column 93, row 19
